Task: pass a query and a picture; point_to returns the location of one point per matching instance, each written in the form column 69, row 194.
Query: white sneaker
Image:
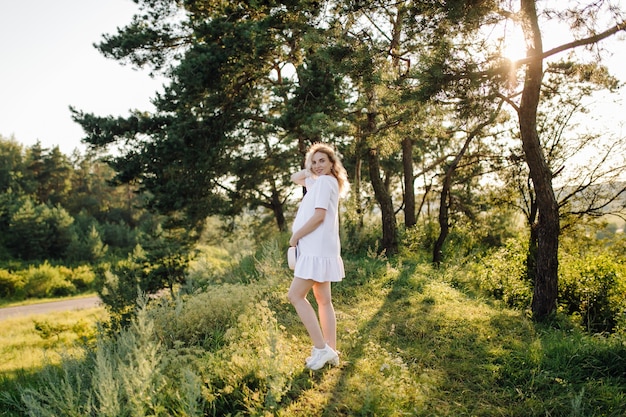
column 307, row 360
column 320, row 357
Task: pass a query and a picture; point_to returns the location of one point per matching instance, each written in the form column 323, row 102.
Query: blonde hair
column 337, row 170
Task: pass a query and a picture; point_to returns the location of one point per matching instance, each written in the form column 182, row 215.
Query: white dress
column 319, row 252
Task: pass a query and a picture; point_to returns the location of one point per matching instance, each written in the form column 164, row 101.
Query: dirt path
column 42, row 308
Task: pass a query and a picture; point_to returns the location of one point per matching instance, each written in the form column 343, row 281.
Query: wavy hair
column 337, row 170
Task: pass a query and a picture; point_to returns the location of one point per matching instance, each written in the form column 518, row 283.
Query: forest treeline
column 437, row 128
column 61, row 218
column 63, row 208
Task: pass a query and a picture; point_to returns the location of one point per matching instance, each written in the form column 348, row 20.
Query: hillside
column 410, row 342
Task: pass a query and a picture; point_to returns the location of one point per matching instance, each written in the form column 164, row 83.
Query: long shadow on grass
column 349, row 293
column 378, row 327
column 436, row 331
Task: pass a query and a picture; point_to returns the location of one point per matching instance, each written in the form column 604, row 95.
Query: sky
column 48, row 63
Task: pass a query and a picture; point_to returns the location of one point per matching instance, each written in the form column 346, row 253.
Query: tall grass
column 413, row 340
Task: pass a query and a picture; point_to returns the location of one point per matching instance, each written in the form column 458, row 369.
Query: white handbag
column 292, row 256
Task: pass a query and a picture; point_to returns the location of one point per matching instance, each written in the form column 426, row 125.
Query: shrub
column 593, row 287
column 46, row 281
column 11, row 285
column 501, row 274
column 125, row 376
column 254, row 370
column 82, row 277
column 118, row 288
column 201, row 319
column 209, row 263
column 421, row 237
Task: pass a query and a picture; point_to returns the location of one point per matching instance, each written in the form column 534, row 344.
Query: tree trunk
column 409, row 180
column 444, row 201
column 358, row 163
column 279, row 213
column 383, row 197
column 547, row 226
column 531, row 256
column 444, row 225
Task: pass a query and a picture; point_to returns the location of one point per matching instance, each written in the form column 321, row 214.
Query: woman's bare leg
column 297, row 296
column 326, row 311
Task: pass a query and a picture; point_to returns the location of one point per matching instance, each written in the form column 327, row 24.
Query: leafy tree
column 222, row 137
column 252, row 84
column 584, row 190
column 37, row 231
column 11, row 165
column 87, row 246
column 491, row 70
column 547, row 225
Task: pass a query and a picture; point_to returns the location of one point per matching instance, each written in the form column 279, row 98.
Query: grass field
column 27, row 343
column 412, row 344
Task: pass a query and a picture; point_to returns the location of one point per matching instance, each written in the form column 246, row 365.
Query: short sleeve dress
column 319, row 252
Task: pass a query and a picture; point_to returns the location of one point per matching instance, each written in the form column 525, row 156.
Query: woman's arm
column 299, row 177
column 313, row 223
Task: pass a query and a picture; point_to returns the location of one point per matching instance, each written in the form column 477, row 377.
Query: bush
column 46, row 281
column 11, row 285
column 82, row 278
column 202, row 319
column 594, row 288
column 124, row 376
column 501, row 274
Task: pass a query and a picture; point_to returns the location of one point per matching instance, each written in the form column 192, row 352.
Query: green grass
column 27, row 343
column 410, row 344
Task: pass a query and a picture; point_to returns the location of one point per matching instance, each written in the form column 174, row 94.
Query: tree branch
column 574, row 44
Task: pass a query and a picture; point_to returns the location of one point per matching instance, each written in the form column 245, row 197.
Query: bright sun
column 514, row 46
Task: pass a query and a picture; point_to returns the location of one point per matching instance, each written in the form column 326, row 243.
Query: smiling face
column 320, row 164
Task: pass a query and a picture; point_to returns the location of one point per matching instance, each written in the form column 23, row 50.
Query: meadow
column 413, row 339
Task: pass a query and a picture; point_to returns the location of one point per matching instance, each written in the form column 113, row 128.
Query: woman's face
column 320, row 164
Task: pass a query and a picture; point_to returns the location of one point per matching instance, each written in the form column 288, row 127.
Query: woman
column 316, row 235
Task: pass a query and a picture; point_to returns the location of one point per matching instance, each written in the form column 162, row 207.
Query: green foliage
column 119, row 236
column 124, row 376
column 118, row 286
column 209, row 265
column 421, row 237
column 409, row 342
column 53, row 207
column 87, row 246
column 82, row 277
column 46, row 281
column 258, row 350
column 201, row 319
column 11, row 285
column 593, row 288
column 39, row 231
column 502, row 274
column 149, row 272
